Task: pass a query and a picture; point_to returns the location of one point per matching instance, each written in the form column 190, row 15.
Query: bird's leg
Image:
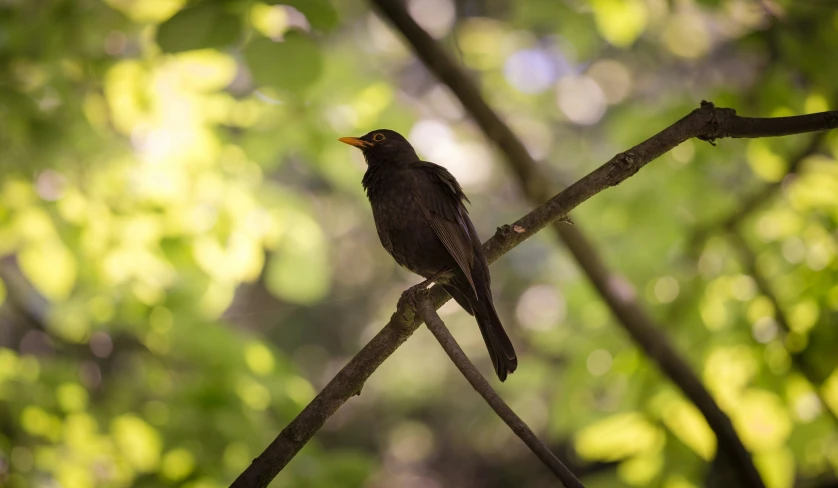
column 432, row 279
column 412, row 294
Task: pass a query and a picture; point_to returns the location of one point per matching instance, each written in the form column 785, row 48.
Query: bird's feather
column 444, row 209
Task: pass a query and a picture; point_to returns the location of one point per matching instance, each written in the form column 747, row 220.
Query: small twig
column 481, row 386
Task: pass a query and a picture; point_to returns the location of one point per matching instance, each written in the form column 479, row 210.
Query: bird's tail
column 497, row 342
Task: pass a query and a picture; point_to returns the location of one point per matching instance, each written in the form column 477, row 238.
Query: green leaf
column 290, row 65
column 320, row 13
column 199, row 27
column 299, row 270
column 620, row 21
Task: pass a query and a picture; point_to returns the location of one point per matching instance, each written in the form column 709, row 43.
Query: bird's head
column 383, row 145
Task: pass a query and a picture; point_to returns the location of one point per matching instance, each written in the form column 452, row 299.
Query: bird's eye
column 378, row 137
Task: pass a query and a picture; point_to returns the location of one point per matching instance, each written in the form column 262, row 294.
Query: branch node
column 412, row 297
column 504, row 230
column 718, row 118
column 627, row 162
column 406, row 310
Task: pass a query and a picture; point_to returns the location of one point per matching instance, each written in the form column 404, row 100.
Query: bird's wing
column 442, row 205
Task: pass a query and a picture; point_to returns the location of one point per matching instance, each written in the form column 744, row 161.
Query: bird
column 423, row 223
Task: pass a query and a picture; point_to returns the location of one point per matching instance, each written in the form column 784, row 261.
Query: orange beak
column 354, row 141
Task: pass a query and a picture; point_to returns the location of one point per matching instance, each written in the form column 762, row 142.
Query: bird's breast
column 404, row 230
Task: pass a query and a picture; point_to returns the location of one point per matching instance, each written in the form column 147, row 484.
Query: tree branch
column 728, row 124
column 351, row 378
column 479, row 383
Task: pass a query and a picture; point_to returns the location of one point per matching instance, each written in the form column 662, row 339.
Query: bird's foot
column 433, row 279
column 427, row 283
column 416, row 292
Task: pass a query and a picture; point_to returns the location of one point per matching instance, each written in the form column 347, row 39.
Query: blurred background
column 187, row 256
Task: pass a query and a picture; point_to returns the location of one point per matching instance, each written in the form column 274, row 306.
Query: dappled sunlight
column 619, row 437
column 685, row 421
column 187, row 255
column 728, row 371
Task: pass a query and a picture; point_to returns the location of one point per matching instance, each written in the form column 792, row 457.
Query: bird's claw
column 416, row 292
column 424, row 285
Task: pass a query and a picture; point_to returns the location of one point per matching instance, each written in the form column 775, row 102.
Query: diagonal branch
column 479, row 383
column 350, row 379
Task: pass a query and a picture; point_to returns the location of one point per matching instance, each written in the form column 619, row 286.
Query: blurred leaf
column 618, row 437
column 766, row 163
column 290, row 65
column 180, row 203
column 687, row 423
column 776, row 468
column 320, row 13
column 51, row 267
column 206, row 25
column 299, row 270
column 139, row 442
column 177, row 464
column 620, row 21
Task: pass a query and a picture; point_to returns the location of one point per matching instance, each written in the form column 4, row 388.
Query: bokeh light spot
column 666, row 289
column 613, row 77
column 530, row 71
column 580, row 99
column 435, row 16
column 599, row 362
column 259, row 358
column 541, row 307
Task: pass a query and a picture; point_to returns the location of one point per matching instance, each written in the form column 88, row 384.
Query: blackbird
column 422, row 222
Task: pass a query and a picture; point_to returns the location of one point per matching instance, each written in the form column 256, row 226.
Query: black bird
column 422, row 222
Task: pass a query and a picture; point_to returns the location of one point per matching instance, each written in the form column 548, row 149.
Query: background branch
column 798, row 358
column 479, row 383
column 349, row 380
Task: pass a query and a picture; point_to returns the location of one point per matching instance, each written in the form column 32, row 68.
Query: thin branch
column 350, row 379
column 728, row 124
column 481, row 386
column 798, row 358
